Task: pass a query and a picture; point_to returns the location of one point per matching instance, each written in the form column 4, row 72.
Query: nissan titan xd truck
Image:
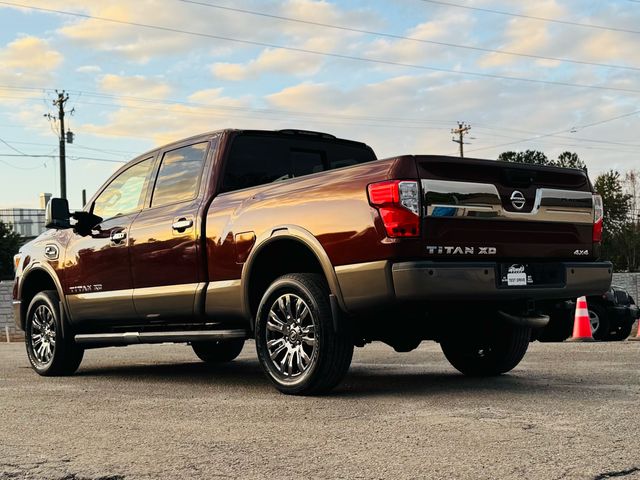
column 311, row 246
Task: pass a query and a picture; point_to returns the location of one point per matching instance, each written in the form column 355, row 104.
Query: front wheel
column 487, row 349
column 298, row 347
column 51, row 350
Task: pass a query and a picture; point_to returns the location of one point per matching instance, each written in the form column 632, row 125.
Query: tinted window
column 306, row 162
column 179, row 174
column 259, row 159
column 125, row 192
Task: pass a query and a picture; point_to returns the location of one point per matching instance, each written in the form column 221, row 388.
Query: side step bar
column 130, row 338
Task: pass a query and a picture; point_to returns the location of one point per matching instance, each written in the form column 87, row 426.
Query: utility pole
column 59, row 102
column 461, row 131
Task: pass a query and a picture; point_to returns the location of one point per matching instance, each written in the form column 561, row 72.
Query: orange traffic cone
column 637, row 337
column 581, row 324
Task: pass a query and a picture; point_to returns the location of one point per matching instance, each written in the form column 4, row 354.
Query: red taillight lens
column 598, row 216
column 398, row 202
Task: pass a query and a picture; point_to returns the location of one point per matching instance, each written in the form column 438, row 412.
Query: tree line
column 621, row 198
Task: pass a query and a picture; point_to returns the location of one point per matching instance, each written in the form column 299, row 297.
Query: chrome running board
column 130, row 338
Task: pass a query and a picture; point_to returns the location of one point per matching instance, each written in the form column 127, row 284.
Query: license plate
column 516, row 275
column 517, row 279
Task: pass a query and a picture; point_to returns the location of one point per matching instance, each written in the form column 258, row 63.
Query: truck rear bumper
column 415, row 281
column 375, row 284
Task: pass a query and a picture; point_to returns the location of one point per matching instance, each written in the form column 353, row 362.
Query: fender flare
column 301, row 235
column 47, row 269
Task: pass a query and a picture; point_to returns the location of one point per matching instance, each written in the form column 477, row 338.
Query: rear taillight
column 598, row 215
column 398, row 202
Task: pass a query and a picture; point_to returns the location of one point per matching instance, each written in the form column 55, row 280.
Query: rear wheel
column 297, row 345
column 219, row 351
column 487, row 349
column 50, row 349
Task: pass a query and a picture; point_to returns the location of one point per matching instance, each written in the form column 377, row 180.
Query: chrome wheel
column 291, row 336
column 43, row 334
column 594, row 319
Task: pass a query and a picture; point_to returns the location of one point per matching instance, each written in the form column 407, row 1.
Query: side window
column 255, row 161
column 179, row 175
column 125, row 192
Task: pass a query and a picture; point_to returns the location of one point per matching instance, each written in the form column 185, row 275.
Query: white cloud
column 89, row 69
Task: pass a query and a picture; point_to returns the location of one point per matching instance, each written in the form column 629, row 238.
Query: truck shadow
column 361, row 381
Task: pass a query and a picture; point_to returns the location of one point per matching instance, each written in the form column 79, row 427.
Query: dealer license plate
column 515, row 275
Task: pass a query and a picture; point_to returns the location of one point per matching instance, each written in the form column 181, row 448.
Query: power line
column 287, row 113
column 555, row 134
column 415, row 123
column 401, row 37
column 532, row 17
column 11, row 146
column 328, row 54
column 70, row 157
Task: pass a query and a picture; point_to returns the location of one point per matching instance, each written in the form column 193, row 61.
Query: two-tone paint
column 191, row 261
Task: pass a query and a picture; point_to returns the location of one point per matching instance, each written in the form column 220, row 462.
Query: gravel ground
column 146, row 412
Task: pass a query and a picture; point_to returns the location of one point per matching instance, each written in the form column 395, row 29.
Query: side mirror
column 57, row 214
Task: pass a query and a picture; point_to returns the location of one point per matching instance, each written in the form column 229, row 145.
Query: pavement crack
column 616, row 473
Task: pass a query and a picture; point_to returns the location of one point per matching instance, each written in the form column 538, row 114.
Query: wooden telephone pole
column 59, row 102
column 461, row 131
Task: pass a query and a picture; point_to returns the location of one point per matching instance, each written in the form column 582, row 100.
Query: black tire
column 622, row 333
column 219, row 351
column 306, row 335
column 50, row 346
column 603, row 330
column 487, row 349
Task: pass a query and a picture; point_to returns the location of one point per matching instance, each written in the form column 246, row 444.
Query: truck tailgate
column 490, row 209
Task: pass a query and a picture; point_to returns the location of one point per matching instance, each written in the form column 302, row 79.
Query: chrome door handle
column 182, row 224
column 118, row 237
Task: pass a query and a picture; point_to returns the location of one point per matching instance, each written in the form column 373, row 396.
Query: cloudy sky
column 551, row 75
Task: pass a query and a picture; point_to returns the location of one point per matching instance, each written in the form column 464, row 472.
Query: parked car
column 311, row 245
column 612, row 316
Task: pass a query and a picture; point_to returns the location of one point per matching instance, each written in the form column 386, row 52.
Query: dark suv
column 612, row 316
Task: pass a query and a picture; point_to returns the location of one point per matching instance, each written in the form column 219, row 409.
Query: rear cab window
column 257, row 159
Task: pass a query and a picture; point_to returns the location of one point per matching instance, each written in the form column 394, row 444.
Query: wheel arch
column 38, row 278
column 304, row 254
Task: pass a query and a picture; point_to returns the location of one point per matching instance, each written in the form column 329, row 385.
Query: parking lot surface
column 145, row 412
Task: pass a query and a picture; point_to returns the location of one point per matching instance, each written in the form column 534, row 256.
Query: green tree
column 9, row 245
column 528, row 156
column 616, row 203
column 565, row 159
column 617, row 238
column 570, row 160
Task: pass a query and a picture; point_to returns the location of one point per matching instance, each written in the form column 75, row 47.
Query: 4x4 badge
column 517, row 200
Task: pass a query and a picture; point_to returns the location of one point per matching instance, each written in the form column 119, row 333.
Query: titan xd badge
column 450, row 250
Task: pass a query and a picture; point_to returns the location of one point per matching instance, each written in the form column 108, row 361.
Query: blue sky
column 135, row 87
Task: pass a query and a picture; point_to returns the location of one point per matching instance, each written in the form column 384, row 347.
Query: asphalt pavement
column 568, row 411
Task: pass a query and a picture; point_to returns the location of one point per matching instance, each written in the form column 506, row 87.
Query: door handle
column 118, row 237
column 182, row 224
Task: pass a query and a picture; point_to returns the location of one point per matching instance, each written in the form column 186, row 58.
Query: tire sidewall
column 279, row 287
column 43, row 298
column 602, row 333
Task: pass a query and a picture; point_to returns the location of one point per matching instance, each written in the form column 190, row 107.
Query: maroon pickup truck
column 310, row 245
